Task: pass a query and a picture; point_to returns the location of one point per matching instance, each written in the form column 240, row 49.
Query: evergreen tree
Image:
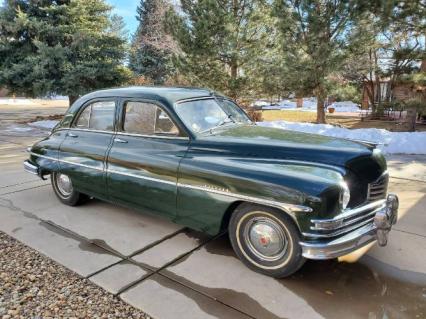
column 59, row 47
column 220, row 41
column 152, row 46
column 316, row 39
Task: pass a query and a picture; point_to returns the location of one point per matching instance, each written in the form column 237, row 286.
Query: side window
column 83, row 119
column 147, row 119
column 97, row 116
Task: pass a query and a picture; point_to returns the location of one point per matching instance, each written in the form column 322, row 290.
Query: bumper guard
column 384, row 218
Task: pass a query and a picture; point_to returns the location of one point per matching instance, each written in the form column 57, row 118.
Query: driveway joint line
column 157, row 270
column 407, row 232
column 207, row 295
column 23, row 183
column 409, row 179
column 21, row 190
column 128, row 257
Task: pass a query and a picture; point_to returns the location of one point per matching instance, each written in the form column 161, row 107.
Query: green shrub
column 346, row 92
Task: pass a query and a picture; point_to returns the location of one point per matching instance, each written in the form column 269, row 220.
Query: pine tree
column 220, row 40
column 59, row 47
column 316, row 38
column 152, row 46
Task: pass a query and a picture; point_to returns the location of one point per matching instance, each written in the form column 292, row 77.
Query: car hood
column 267, row 142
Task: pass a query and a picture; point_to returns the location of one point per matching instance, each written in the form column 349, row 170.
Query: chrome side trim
column 142, row 177
column 124, row 133
column 290, row 208
column 86, row 130
column 155, row 136
column 66, row 162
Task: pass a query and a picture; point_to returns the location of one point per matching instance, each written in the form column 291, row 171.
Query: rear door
column 83, row 152
column 144, row 158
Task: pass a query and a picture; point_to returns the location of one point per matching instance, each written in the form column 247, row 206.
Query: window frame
column 122, row 114
column 73, row 125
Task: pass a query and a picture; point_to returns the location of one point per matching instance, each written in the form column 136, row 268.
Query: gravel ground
column 33, row 286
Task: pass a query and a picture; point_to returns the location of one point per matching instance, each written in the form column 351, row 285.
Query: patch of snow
column 310, row 105
column 45, row 124
column 260, row 103
column 56, row 97
column 16, row 128
column 17, row 101
column 345, row 106
column 390, row 142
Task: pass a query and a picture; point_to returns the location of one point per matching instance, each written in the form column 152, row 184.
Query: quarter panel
column 45, row 152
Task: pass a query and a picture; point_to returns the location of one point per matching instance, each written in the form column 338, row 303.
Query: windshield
column 207, row 114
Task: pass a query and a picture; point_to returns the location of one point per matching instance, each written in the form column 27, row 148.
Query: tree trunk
column 320, row 95
column 411, row 119
column 299, row 102
column 234, row 74
column 72, row 99
column 320, row 109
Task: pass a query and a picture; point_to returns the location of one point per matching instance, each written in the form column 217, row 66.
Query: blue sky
column 126, row 9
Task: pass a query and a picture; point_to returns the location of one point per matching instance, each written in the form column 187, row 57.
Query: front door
column 82, row 154
column 144, row 158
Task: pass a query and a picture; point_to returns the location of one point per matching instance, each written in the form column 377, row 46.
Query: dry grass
column 291, row 116
column 349, row 121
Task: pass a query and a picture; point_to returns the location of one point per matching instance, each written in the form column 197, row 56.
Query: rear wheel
column 64, row 190
column 266, row 240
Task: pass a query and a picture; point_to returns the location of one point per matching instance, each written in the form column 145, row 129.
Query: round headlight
column 345, row 195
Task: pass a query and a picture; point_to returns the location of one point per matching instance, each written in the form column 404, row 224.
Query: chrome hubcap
column 265, row 238
column 64, row 184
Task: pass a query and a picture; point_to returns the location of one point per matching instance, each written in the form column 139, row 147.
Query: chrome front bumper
column 385, row 216
column 30, row 168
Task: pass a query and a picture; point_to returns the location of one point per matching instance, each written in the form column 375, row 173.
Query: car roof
column 170, row 94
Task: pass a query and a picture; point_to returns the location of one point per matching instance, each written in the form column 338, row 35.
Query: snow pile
column 18, row 101
column 345, row 106
column 45, row 124
column 390, row 142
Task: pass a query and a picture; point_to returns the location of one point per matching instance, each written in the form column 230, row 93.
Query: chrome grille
column 345, row 222
column 378, row 189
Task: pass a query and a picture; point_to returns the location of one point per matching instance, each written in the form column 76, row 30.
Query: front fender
column 212, row 183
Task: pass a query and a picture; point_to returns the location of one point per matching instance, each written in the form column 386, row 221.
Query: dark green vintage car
column 195, row 157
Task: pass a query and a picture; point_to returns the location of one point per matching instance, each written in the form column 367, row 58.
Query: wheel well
column 227, row 216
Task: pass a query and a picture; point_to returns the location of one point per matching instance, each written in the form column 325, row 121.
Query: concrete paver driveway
column 173, row 272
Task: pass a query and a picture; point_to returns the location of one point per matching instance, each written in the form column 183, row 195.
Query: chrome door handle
column 72, row 135
column 119, row 140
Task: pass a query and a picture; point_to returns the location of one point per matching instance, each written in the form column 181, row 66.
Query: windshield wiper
column 226, row 120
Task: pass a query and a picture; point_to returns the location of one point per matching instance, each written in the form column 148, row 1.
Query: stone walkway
column 172, row 272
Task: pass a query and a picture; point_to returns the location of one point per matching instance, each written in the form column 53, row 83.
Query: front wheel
column 64, row 190
column 266, row 240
